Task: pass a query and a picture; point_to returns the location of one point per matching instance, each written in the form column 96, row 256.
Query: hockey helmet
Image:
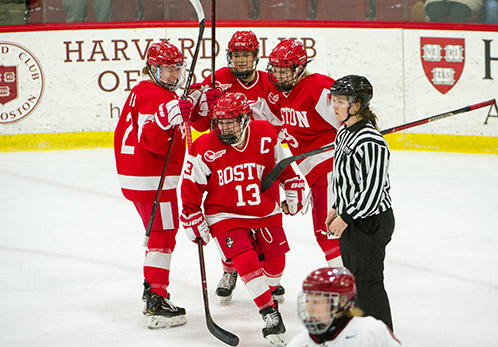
column 353, row 86
column 325, row 292
column 288, row 55
column 231, row 115
column 166, row 65
column 243, row 42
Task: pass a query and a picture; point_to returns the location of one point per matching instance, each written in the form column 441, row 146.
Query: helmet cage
column 288, row 79
column 318, row 321
column 230, row 130
column 241, row 74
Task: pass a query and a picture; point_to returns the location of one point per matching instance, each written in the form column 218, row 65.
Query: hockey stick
column 281, row 165
column 218, row 332
column 213, row 43
column 200, row 14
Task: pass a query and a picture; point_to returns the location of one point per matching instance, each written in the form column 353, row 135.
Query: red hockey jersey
column 310, row 123
column 231, row 178
column 263, row 97
column 140, row 146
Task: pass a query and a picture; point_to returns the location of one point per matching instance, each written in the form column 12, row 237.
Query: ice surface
column 71, row 257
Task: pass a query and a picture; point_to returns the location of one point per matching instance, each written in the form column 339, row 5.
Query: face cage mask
column 235, row 134
column 317, row 324
column 245, row 73
column 169, row 85
column 291, row 78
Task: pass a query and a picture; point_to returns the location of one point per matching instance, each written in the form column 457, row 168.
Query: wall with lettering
column 77, row 80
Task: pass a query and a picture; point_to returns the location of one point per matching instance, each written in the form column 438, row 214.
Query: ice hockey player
column 309, row 123
column 326, row 306
column 225, row 167
column 241, row 76
column 149, row 124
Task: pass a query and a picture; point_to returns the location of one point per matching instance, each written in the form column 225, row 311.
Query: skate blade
column 225, row 300
column 276, row 339
column 159, row 322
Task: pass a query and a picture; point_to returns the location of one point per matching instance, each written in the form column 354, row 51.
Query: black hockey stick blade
column 218, row 332
column 281, row 165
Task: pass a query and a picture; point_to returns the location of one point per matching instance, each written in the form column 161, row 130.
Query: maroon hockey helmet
column 243, row 42
column 231, row 115
column 332, row 288
column 164, row 57
column 289, row 54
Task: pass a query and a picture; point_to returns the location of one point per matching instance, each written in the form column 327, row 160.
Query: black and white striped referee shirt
column 360, row 177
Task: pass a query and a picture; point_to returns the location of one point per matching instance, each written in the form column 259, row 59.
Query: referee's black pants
column 363, row 249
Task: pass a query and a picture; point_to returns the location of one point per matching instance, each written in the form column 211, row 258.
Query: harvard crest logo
column 443, row 60
column 21, row 82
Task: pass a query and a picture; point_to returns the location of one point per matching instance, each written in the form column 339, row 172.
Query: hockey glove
column 196, row 227
column 294, row 189
column 207, row 100
column 173, row 113
column 212, row 95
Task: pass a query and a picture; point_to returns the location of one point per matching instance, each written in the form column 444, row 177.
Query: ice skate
column 163, row 313
column 226, row 286
column 278, row 294
column 274, row 328
column 146, row 295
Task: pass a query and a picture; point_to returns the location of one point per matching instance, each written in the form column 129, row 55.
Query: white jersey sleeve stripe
column 145, row 183
column 307, row 164
column 325, row 111
column 200, row 171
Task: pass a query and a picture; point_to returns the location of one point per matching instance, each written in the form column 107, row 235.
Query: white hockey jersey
column 359, row 332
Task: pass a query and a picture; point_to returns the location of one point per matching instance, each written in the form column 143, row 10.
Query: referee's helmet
column 355, row 86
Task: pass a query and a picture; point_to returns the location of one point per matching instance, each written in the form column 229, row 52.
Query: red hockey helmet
column 288, row 53
column 243, row 41
column 326, row 292
column 166, row 65
column 231, row 115
column 246, row 44
column 287, row 63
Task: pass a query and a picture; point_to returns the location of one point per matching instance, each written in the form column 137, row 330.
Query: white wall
column 73, row 101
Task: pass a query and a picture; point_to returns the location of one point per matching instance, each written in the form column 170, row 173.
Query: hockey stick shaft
column 281, row 165
column 200, row 15
column 158, row 192
column 202, row 23
column 213, row 43
column 218, row 332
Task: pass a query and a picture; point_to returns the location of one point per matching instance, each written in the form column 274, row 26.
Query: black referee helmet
column 353, row 85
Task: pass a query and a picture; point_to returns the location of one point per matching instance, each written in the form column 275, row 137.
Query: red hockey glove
column 294, row 189
column 212, row 95
column 173, row 113
column 186, row 109
column 196, row 227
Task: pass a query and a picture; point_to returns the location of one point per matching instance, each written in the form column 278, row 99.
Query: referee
column 361, row 215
